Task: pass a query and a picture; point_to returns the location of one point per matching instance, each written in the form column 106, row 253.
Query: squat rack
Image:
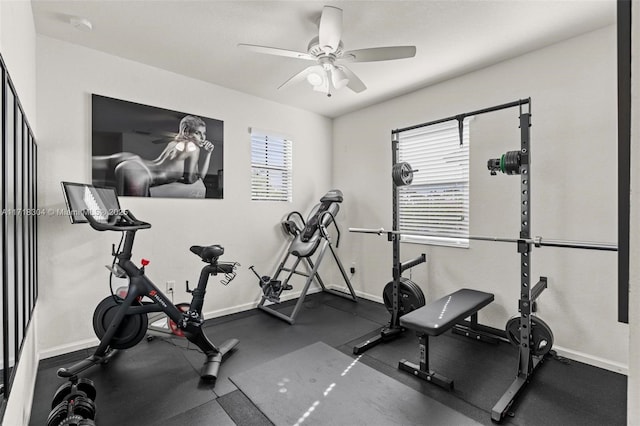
column 527, row 361
column 512, row 163
column 517, row 162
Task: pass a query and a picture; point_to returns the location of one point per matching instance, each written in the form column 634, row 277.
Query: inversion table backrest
column 307, row 241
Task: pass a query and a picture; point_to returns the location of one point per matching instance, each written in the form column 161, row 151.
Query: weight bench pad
column 440, row 315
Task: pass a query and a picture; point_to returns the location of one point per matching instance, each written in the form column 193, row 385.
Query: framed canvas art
column 145, row 151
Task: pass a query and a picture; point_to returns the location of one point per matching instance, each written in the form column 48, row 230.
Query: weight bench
column 435, row 318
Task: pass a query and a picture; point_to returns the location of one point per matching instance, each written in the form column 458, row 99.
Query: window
column 434, row 209
column 271, row 167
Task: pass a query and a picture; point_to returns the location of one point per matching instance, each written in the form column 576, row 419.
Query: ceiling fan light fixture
column 315, row 79
column 339, row 78
column 327, row 51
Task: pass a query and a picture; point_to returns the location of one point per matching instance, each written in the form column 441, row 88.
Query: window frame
column 279, row 164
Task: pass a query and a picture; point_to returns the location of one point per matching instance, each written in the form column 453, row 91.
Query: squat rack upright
column 527, row 362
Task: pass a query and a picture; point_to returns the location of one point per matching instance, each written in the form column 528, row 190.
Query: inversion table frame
column 303, row 251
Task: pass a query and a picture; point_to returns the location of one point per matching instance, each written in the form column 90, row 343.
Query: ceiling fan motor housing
column 316, row 50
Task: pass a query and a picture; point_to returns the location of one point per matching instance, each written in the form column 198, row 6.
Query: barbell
column 509, row 163
column 536, row 241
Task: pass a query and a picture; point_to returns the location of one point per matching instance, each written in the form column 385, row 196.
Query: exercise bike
column 121, row 323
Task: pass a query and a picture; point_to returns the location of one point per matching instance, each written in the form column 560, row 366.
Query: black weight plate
column 418, row 291
column 61, row 394
column 411, row 297
column 87, row 387
column 513, row 330
column 131, row 331
column 58, row 414
column 84, row 408
column 402, row 174
column 541, row 335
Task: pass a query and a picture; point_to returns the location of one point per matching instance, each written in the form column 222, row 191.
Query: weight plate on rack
column 541, row 336
column 410, row 296
column 402, row 174
column 87, row 387
column 61, row 394
column 58, row 413
column 84, row 407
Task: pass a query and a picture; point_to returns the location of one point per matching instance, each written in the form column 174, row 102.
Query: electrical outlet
column 170, row 285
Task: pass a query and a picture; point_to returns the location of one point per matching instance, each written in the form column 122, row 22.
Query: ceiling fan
column 327, row 51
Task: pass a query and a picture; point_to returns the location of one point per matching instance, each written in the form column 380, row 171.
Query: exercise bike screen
column 100, row 201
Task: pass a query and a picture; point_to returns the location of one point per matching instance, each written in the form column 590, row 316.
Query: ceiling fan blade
column 354, row 83
column 330, row 28
column 302, row 75
column 379, row 54
column 276, row 51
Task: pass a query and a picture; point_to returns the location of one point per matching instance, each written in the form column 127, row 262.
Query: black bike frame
column 140, row 286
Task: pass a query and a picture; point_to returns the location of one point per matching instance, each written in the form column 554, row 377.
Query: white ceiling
column 199, row 39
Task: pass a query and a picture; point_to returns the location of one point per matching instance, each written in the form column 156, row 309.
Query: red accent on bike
column 153, row 293
column 145, row 262
column 182, row 307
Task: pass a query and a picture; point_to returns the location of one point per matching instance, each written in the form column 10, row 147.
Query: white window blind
column 271, row 167
column 437, row 201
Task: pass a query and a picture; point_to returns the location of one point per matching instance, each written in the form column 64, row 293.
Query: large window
column 434, row 209
column 271, row 167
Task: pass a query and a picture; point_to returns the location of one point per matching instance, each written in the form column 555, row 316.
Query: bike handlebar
column 124, row 221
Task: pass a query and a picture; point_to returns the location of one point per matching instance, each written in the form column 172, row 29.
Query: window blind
column 437, row 201
column 271, row 168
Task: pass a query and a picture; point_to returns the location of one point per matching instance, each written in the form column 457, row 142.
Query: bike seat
column 208, row 253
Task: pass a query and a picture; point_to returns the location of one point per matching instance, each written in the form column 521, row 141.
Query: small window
column 271, row 167
column 434, row 209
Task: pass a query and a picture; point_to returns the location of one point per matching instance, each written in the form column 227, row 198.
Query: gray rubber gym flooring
column 157, row 382
column 318, row 385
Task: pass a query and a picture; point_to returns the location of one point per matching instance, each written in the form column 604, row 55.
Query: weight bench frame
column 435, row 318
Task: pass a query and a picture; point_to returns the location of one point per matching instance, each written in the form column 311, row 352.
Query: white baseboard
column 361, row 294
column 595, row 361
column 68, row 348
column 229, row 311
column 564, row 352
column 88, row 343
